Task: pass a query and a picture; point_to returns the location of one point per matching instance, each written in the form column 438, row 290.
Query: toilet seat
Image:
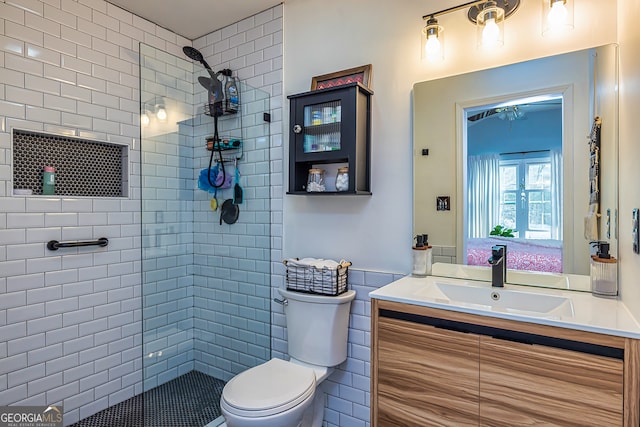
column 268, row 389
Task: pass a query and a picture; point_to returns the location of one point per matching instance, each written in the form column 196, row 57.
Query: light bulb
column 432, row 46
column 161, row 114
column 490, row 33
column 144, row 119
column 557, row 15
column 433, row 40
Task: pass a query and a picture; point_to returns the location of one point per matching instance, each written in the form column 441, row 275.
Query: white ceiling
column 194, row 18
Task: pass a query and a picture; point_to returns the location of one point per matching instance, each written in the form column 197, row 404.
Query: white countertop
column 582, row 311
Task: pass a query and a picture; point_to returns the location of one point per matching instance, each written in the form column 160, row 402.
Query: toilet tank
column 317, row 326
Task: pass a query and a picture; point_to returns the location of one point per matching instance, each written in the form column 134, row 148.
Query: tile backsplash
column 446, row 254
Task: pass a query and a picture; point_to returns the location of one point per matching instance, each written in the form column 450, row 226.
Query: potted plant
column 499, row 230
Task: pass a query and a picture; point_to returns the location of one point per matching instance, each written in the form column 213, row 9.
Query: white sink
column 516, row 277
column 497, row 299
column 554, row 307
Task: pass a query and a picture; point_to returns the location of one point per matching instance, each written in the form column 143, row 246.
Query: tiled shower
column 206, row 284
column 71, row 321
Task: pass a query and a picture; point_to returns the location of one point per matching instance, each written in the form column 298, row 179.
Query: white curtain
column 483, row 194
column 556, row 194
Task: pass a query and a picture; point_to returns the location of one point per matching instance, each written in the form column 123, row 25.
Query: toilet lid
column 270, row 388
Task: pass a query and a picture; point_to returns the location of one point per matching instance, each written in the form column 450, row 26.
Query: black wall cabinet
column 331, row 126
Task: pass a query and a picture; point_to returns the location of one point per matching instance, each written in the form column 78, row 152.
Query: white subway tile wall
column 445, row 254
column 70, row 321
column 232, row 262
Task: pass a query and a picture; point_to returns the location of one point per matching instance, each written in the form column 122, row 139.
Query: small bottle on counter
column 49, row 180
column 422, row 256
column 603, row 271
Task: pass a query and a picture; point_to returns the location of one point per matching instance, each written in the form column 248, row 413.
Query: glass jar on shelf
column 342, row 179
column 315, row 180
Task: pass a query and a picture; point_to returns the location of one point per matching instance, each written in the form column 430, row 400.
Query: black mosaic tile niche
column 83, row 167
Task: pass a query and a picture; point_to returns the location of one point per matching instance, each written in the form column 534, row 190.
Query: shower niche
column 83, row 168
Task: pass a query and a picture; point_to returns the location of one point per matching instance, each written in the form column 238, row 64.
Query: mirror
column 530, row 115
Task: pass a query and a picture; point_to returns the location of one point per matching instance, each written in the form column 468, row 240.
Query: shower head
column 195, row 54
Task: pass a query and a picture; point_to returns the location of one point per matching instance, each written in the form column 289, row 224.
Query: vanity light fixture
column 557, row 16
column 487, row 15
column 489, row 21
column 433, row 40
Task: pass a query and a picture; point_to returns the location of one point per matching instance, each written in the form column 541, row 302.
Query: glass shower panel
column 231, row 287
column 166, row 84
column 206, row 283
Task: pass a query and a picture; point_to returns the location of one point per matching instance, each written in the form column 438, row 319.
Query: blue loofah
column 216, row 177
column 203, row 182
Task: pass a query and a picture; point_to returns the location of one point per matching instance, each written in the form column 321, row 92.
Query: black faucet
column 498, row 263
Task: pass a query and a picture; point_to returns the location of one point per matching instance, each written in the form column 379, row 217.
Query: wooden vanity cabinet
column 433, row 367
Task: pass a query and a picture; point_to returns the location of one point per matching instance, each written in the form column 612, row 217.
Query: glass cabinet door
column 322, row 127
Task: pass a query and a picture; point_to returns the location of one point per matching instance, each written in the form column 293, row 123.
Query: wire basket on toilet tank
column 317, row 276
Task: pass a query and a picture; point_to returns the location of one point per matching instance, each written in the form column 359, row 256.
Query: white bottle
column 422, row 256
column 603, row 272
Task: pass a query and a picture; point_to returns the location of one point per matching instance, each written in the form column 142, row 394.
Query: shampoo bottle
column 49, row 180
column 231, row 93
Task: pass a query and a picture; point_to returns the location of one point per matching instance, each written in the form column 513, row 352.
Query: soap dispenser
column 422, row 257
column 603, row 271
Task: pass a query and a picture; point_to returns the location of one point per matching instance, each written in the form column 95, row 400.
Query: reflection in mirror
column 514, row 182
column 534, row 119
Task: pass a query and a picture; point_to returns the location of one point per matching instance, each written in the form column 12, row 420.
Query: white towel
column 314, row 262
column 591, row 231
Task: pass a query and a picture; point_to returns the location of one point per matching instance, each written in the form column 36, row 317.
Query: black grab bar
column 54, row 245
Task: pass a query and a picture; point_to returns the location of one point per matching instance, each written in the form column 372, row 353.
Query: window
column 525, row 196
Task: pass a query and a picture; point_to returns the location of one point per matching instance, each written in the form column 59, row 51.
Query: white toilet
column 283, row 394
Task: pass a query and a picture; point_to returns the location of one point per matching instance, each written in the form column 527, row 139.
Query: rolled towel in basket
column 314, row 262
column 299, row 271
column 314, row 271
column 314, row 275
